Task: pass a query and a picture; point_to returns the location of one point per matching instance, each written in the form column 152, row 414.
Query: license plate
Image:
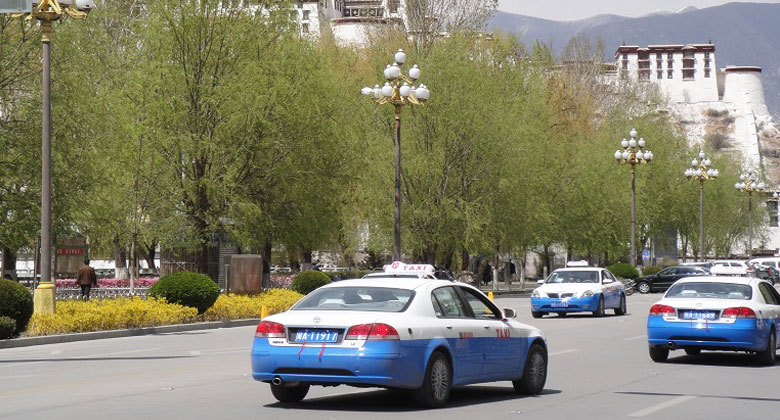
column 560, row 304
column 699, row 315
column 317, row 336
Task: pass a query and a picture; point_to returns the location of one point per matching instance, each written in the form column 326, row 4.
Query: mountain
column 743, row 34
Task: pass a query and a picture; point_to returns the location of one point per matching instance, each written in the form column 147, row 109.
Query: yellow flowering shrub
column 109, row 314
column 251, row 306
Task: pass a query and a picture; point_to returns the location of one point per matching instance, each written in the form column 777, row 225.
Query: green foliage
column 623, row 270
column 7, row 327
column 16, row 302
column 668, row 262
column 651, row 269
column 188, row 289
column 306, row 281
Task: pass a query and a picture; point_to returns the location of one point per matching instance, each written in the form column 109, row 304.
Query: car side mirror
column 540, row 282
column 509, row 313
column 608, row 281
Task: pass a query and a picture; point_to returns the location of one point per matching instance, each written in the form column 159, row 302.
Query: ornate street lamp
column 749, row 182
column 399, row 90
column 633, row 153
column 46, row 12
column 700, row 171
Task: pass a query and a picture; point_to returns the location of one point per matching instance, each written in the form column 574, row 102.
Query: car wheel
column 768, row 356
column 600, row 309
column 537, row 314
column 534, row 372
column 692, row 351
column 435, row 390
column 643, row 287
column 289, row 394
column 659, row 354
column 621, row 310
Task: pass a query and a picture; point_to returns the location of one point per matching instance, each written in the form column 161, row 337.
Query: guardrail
column 69, row 293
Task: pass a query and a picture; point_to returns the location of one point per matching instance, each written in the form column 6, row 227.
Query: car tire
column 599, row 312
column 621, row 310
column 534, row 372
column 643, row 287
column 768, row 356
column 435, row 390
column 536, row 314
column 692, row 351
column 659, row 354
column 290, row 394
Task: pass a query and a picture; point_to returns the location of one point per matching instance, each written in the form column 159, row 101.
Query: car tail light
column 372, row 332
column 662, row 310
column 740, row 312
column 268, row 329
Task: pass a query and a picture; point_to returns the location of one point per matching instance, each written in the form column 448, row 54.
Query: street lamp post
column 633, row 153
column 700, row 171
column 46, row 12
column 749, row 183
column 399, row 90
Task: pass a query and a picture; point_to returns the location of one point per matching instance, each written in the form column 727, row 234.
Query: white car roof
column 719, row 279
column 394, row 282
column 580, row 269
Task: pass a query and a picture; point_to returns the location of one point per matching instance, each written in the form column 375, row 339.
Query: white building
column 704, row 99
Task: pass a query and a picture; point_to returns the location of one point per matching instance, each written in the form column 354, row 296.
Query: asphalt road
column 599, row 369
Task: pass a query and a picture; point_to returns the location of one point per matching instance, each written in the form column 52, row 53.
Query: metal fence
column 69, row 293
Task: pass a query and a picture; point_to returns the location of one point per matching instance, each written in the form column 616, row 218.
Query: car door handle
column 449, row 327
column 487, row 327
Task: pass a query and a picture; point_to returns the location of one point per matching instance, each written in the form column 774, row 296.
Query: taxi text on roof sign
column 397, row 267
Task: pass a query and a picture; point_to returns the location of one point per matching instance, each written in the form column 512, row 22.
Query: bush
column 623, row 270
column 109, row 314
column 251, row 306
column 7, row 327
column 16, row 302
column 306, row 281
column 188, row 289
column 651, row 269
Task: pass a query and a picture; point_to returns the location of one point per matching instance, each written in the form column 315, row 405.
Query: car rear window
column 710, row 290
column 377, row 299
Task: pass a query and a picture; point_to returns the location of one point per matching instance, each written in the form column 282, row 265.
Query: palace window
column 669, row 74
column 774, row 218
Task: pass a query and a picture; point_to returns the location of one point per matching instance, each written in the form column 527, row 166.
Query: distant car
column 731, row 268
column 661, row 280
column 703, row 264
column 765, row 272
column 578, row 289
column 716, row 313
column 770, row 261
column 422, row 334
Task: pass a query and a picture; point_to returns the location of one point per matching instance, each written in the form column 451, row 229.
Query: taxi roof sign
column 397, row 267
column 16, row 6
column 580, row 263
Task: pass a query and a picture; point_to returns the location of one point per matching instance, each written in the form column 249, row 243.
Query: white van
column 731, row 268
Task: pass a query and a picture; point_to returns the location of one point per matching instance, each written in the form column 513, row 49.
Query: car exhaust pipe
column 277, row 380
column 671, row 345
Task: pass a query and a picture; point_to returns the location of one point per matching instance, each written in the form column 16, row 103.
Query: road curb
column 98, row 335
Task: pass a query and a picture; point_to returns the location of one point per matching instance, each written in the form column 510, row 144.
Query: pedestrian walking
column 86, row 279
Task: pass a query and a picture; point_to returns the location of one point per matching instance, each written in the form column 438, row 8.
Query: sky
column 580, row 9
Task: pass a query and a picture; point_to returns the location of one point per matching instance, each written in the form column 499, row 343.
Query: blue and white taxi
column 409, row 331
column 716, row 313
column 578, row 288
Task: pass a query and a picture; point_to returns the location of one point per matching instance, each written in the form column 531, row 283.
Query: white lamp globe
column 632, row 133
column 367, row 91
column 701, row 155
column 414, row 72
column 422, row 93
column 387, row 72
column 83, row 4
column 640, row 155
column 649, row 156
column 400, row 56
column 742, row 177
column 395, row 71
column 694, row 162
column 707, row 162
column 625, row 154
column 641, row 142
column 387, row 90
column 761, row 185
column 632, row 142
column 405, row 90
column 617, row 154
column 624, row 143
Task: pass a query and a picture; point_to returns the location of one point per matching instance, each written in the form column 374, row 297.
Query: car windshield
column 710, row 291
column 573, row 277
column 378, row 299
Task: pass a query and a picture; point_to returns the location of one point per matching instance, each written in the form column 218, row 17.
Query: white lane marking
column 56, row 352
column 661, row 406
column 112, row 353
column 64, row 359
column 195, row 353
column 563, row 352
column 634, row 338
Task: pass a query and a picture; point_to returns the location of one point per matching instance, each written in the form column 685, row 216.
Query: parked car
column 716, row 313
column 422, row 334
column 661, row 280
column 770, row 261
column 703, row 264
column 731, row 268
column 766, row 272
